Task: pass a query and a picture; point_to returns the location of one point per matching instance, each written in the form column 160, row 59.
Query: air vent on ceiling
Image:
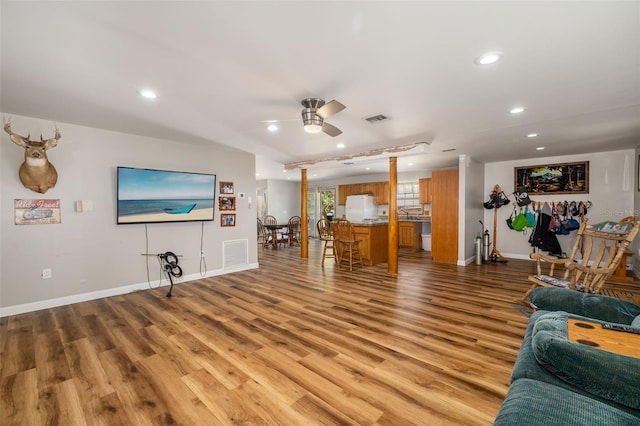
column 376, row 118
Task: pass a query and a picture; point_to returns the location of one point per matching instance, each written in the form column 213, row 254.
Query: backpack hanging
column 520, row 223
column 510, row 219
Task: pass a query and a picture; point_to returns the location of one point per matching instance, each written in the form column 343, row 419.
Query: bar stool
column 345, row 237
column 325, row 234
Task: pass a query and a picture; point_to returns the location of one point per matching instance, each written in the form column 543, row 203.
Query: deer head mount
column 36, row 172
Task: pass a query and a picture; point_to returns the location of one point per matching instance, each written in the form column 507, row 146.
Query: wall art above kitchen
column 564, row 178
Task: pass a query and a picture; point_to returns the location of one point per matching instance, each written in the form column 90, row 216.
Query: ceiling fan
column 314, row 113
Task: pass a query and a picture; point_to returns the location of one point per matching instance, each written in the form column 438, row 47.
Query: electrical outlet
column 46, row 273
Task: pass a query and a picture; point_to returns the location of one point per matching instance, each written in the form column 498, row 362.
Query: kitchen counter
column 421, row 219
column 401, row 218
column 370, row 223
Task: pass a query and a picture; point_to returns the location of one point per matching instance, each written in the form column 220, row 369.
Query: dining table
column 274, row 228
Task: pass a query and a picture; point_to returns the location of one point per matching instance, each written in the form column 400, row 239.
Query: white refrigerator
column 360, row 207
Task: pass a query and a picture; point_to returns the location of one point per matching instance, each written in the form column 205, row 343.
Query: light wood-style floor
column 290, row 343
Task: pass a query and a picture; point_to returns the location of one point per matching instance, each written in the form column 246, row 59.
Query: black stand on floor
column 170, row 264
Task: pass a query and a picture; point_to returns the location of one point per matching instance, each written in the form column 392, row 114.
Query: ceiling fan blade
column 330, row 108
column 332, row 131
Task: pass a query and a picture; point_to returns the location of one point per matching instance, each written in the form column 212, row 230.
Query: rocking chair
column 594, row 257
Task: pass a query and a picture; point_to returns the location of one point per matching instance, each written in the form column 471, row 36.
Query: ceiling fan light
column 312, row 123
column 312, row 128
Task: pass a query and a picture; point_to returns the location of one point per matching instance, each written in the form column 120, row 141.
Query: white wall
column 611, row 190
column 471, row 178
column 282, row 199
column 90, row 256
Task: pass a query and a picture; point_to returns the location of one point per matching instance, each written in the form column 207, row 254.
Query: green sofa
column 558, row 382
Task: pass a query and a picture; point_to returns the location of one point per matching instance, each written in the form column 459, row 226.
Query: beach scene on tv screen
column 164, row 196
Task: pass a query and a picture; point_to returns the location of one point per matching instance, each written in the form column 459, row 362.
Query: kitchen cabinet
column 343, row 191
column 381, row 192
column 425, row 191
column 444, row 216
column 409, row 235
column 374, row 244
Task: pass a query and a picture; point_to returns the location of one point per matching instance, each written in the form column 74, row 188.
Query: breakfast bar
column 375, row 241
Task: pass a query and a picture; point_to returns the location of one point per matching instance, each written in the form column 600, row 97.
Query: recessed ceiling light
column 517, row 110
column 367, row 168
column 488, row 58
column 272, row 127
column 532, row 135
column 540, row 148
column 409, row 164
column 149, row 94
column 340, row 145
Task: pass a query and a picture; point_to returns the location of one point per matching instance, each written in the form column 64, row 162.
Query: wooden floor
column 289, row 343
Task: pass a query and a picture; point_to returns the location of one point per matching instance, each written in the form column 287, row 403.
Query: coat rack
column 495, row 255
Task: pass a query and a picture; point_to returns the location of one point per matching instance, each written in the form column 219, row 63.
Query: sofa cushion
column 611, row 376
column 595, row 306
column 534, row 403
column 527, row 366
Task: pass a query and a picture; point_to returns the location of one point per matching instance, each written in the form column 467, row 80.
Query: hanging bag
column 555, row 226
column 510, row 219
column 522, row 198
column 521, row 222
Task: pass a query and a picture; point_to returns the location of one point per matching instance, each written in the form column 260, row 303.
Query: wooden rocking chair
column 594, row 257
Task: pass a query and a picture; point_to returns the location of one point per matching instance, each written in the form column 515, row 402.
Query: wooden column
column 392, row 260
column 304, row 226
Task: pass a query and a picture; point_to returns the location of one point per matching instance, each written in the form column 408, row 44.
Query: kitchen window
column 408, row 194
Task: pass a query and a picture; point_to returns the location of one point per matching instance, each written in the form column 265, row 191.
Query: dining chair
column 279, row 236
column 326, row 236
column 263, row 235
column 346, row 242
column 293, row 230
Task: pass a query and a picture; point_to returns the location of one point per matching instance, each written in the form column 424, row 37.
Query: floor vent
column 235, row 254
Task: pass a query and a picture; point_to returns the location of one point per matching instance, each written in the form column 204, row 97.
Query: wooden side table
column 621, row 271
column 593, row 334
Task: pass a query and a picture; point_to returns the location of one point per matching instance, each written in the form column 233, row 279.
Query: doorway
column 321, row 203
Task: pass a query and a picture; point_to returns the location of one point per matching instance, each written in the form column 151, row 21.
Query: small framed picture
column 227, row 203
column 228, row 219
column 226, row 187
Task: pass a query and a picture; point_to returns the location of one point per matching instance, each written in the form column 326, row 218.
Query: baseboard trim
column 116, row 291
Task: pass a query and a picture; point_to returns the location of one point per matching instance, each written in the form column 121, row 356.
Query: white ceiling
column 223, row 68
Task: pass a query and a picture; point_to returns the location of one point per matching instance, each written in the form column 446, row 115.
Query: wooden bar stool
column 346, row 241
column 326, row 234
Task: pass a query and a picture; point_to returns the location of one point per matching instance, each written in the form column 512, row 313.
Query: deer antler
column 53, row 142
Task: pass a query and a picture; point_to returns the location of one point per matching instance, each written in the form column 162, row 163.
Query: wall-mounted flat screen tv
column 150, row 196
